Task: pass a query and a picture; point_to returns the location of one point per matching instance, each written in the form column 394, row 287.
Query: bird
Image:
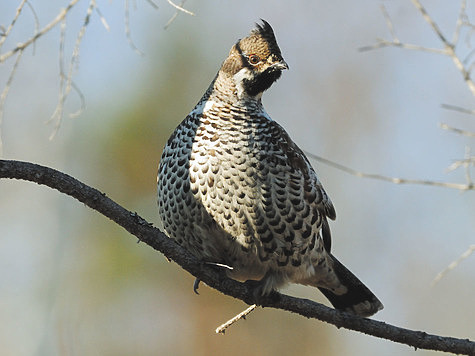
column 236, row 191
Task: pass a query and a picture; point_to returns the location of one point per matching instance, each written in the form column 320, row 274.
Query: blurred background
column 74, row 283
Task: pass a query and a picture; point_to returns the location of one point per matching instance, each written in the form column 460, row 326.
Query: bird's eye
column 254, row 59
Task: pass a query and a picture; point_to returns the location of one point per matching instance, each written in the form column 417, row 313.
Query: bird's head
column 255, row 62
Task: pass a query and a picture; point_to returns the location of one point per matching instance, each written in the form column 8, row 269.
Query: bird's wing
column 267, row 196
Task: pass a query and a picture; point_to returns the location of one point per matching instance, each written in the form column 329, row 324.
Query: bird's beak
column 280, row 65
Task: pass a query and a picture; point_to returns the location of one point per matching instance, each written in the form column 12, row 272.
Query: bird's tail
column 358, row 299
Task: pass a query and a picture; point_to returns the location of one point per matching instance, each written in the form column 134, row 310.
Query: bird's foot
column 259, row 297
column 196, row 284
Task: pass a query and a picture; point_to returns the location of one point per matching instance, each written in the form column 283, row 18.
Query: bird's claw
column 196, row 285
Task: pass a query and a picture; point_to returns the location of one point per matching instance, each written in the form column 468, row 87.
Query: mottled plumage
column 234, row 189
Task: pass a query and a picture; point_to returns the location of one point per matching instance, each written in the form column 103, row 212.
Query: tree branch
column 460, row 186
column 217, row 279
column 21, row 46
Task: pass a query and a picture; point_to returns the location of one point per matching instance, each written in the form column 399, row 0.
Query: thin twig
column 389, row 23
column 458, row 108
column 127, row 29
column 466, row 163
column 356, row 173
column 217, row 279
column 460, row 22
column 453, row 265
column 431, row 22
column 468, row 56
column 4, row 94
column 67, row 78
column 180, row 8
column 461, row 163
column 175, row 15
column 242, row 315
column 58, row 111
column 469, row 162
column 457, row 130
column 155, row 6
column 103, row 19
column 10, row 27
column 450, row 47
column 82, row 107
column 448, row 50
column 37, row 23
column 62, row 14
column 381, row 43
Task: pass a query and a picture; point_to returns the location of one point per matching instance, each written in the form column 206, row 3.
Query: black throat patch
column 261, row 81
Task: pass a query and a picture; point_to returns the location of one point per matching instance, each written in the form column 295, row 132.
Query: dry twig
column 180, row 8
column 4, row 94
column 454, row 264
column 128, row 34
column 242, row 315
column 61, row 15
column 174, row 15
column 448, row 49
column 459, row 186
column 458, row 108
column 457, row 130
column 6, row 32
column 66, row 80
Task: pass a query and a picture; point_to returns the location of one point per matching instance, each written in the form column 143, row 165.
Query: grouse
column 235, row 190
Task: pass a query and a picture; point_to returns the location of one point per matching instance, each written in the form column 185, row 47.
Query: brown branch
column 150, row 235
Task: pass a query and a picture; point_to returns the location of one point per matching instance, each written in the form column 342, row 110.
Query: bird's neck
column 224, row 89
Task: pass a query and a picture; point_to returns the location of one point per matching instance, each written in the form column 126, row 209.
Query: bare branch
column 127, row 29
column 66, row 80
column 454, row 264
column 62, row 14
column 155, row 6
column 58, row 111
column 4, row 94
column 175, row 15
column 381, row 43
column 242, row 315
column 37, row 22
column 431, row 22
column 82, row 107
column 463, row 187
column 448, row 47
column 458, row 108
column 217, row 279
column 10, row 27
column 180, row 8
column 389, row 23
column 448, row 50
column 457, row 130
column 103, row 19
column 461, row 20
column 468, row 56
column 461, row 163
